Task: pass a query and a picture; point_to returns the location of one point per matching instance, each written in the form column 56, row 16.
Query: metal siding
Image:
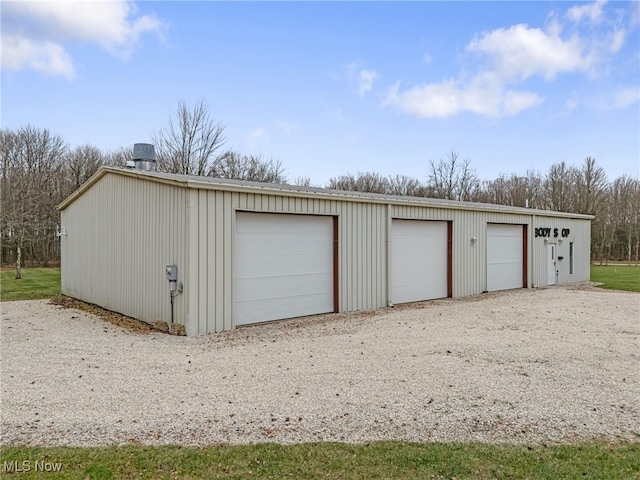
column 121, row 234
column 218, row 246
column 203, row 249
column 228, row 223
column 191, row 284
column 212, row 287
column 195, row 230
column 580, row 234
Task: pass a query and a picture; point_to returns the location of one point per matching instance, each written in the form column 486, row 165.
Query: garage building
column 212, row 254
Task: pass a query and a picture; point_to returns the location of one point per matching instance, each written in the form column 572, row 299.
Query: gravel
column 552, row 365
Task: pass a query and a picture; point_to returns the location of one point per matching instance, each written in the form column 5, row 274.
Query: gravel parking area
column 536, row 366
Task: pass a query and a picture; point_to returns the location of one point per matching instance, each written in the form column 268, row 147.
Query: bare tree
column 589, row 196
column 303, row 181
column 517, row 191
column 625, row 192
column 190, row 142
column 248, row 167
column 31, row 189
column 590, row 187
column 118, row 157
column 405, row 186
column 559, row 185
column 81, row 163
column 452, row 179
column 371, row 182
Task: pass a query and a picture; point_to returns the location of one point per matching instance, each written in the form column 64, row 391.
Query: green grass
column 384, row 460
column 35, row 283
column 617, row 277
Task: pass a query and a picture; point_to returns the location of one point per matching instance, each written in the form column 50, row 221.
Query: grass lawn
column 384, row 460
column 35, row 283
column 617, row 277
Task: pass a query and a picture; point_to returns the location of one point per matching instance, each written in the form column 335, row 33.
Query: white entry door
column 551, row 264
column 284, row 266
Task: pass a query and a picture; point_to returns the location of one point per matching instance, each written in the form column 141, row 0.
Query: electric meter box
column 171, row 272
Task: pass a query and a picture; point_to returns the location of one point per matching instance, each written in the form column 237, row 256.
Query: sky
column 330, row 88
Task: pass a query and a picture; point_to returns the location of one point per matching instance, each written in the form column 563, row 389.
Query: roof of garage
column 225, row 184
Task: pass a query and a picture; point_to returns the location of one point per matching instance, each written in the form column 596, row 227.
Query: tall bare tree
column 248, row 167
column 303, row 181
column 625, row 194
column 404, row 186
column 190, row 142
column 81, row 163
column 515, row 190
column 118, row 157
column 590, row 187
column 559, row 185
column 452, row 178
column 32, row 166
column 371, row 182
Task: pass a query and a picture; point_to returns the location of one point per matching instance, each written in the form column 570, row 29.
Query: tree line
column 39, row 170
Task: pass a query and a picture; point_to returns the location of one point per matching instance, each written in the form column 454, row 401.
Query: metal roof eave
column 187, row 181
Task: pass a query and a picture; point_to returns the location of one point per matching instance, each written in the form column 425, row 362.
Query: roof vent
column 144, row 157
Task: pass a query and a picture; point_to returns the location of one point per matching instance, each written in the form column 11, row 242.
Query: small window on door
column 570, row 258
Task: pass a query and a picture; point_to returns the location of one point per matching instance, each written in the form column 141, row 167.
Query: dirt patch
column 121, row 321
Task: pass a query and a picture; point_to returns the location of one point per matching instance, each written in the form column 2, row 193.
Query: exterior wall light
column 474, row 240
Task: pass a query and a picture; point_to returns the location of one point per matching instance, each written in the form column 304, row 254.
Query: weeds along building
column 211, row 254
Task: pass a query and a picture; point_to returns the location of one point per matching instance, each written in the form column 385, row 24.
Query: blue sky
column 335, row 87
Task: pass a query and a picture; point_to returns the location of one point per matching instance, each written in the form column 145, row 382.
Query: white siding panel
column 419, row 263
column 125, row 228
column 122, row 232
column 284, row 266
column 504, row 257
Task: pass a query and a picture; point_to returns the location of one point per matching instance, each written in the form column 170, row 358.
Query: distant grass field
column 380, row 460
column 617, row 277
column 35, row 283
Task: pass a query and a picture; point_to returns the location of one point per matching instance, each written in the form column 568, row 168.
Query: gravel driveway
column 550, row 365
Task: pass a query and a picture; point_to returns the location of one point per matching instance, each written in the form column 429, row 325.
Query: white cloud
column 509, row 57
column 366, row 79
column 519, row 52
column 45, row 57
column 634, row 20
column 34, row 34
column 626, row 97
column 360, row 78
column 449, row 98
column 617, row 39
column 426, row 58
column 591, row 11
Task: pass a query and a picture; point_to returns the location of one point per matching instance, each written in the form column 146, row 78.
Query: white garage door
column 504, row 257
column 284, row 266
column 419, row 260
